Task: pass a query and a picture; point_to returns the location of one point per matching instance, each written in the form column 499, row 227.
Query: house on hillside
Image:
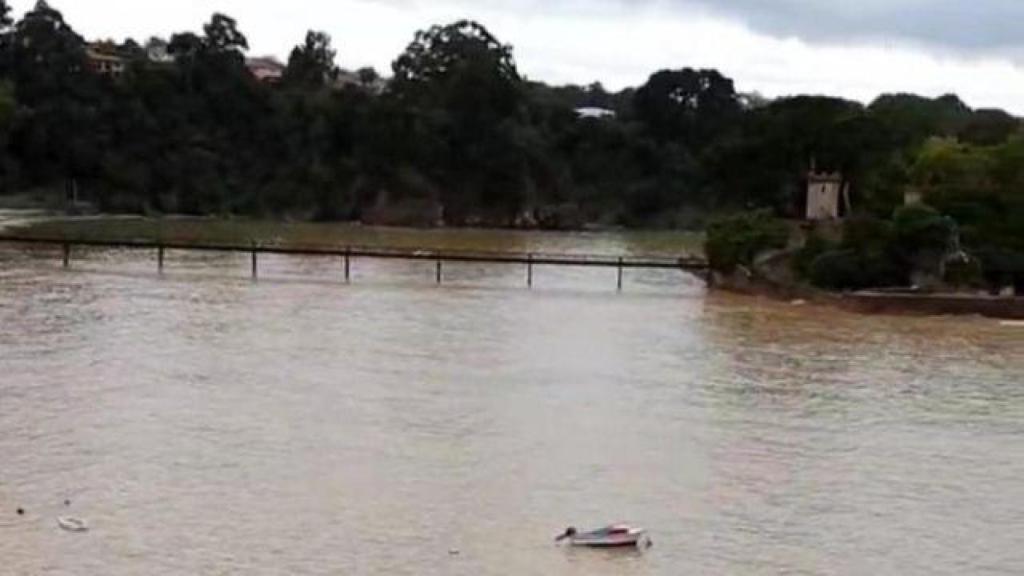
column 266, row 69
column 343, row 79
column 157, row 51
column 594, row 112
column 105, row 59
column 364, row 79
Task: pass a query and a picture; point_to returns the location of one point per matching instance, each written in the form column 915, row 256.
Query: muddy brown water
column 206, row 424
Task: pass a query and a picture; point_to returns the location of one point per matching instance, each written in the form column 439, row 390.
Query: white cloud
column 619, row 44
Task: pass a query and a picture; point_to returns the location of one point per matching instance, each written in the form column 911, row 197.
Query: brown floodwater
column 206, row 424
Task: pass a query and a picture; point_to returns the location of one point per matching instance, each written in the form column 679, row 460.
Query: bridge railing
column 684, row 262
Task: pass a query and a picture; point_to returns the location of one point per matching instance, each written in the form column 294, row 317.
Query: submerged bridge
column 686, row 263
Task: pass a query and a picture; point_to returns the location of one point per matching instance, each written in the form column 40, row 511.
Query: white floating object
column 70, row 524
column 1013, row 323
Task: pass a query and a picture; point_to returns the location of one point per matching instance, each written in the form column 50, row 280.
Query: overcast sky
column 855, row 49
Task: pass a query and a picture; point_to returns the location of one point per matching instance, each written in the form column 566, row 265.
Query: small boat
column 70, row 524
column 615, row 536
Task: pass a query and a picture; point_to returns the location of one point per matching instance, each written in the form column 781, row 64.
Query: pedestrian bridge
column 686, row 263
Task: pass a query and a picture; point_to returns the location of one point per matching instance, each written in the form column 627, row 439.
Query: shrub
column 962, row 271
column 864, row 234
column 922, row 229
column 815, row 246
column 1002, row 267
column 849, row 270
column 737, row 239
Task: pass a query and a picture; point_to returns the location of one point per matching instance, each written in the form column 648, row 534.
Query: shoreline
column 875, row 302
column 936, row 304
column 862, row 302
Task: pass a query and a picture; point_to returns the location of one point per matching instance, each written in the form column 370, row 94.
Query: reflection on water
column 206, row 424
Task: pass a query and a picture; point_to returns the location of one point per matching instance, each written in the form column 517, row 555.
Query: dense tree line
column 459, row 136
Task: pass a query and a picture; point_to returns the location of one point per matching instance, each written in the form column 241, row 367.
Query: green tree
column 687, row 105
column 764, row 162
column 8, row 108
column 989, row 128
column 312, row 63
column 444, row 52
column 8, row 105
column 867, row 257
column 221, row 34
column 185, row 47
column 981, row 188
column 924, row 238
column 913, row 119
column 464, row 91
column 368, row 76
column 956, row 178
column 59, row 135
column 846, row 269
column 462, row 68
column 47, row 55
column 737, row 240
column 5, row 15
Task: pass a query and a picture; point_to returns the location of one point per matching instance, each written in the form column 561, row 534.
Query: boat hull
column 603, row 539
column 621, row 544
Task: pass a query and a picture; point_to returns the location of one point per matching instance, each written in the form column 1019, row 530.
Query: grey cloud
column 975, row 25
column 993, row 26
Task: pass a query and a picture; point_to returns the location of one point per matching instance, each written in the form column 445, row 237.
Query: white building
column 594, row 112
column 825, row 191
column 156, row 51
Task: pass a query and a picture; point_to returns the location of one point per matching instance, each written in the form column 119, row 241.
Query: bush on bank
column 736, row 240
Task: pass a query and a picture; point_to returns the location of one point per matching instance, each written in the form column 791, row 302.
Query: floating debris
column 70, row 524
column 614, row 536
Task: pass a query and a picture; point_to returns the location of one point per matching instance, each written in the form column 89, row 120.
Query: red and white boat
column 614, row 536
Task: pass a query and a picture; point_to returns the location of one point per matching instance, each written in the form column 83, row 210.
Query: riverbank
column 999, row 307
column 864, row 265
column 874, row 301
column 767, row 283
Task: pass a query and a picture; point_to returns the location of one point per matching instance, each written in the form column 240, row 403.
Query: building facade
column 266, row 69
column 104, row 60
column 825, row 194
